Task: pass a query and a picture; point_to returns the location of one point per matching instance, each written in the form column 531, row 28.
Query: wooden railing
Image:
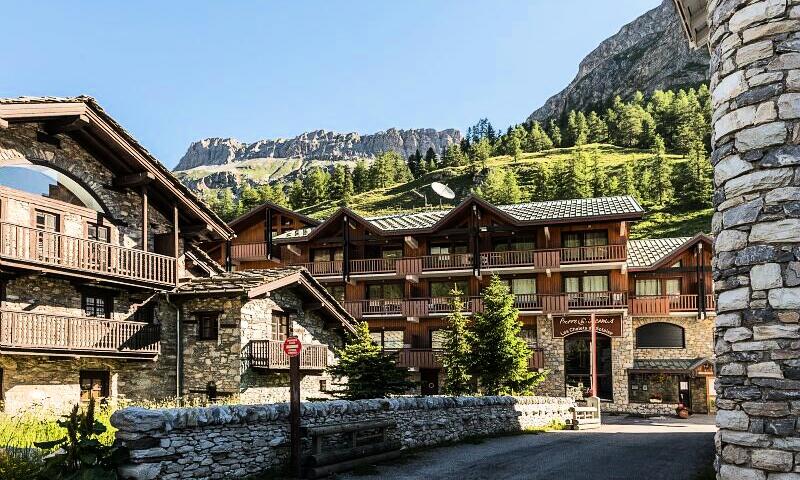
column 40, row 331
column 598, row 253
column 597, row 300
column 373, row 265
column 447, row 261
column 269, row 354
column 332, row 267
column 249, row 251
column 663, row 305
column 522, row 258
column 432, row 358
column 73, row 253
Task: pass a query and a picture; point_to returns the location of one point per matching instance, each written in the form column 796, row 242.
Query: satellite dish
column 443, row 190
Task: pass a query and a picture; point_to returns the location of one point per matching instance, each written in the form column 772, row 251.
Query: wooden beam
column 133, row 180
column 145, row 221
column 293, row 249
column 176, row 238
column 411, row 242
column 189, row 231
column 68, row 124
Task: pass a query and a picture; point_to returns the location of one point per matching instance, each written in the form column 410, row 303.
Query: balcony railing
column 432, row 358
column 249, row 251
column 522, row 258
column 52, row 249
column 373, row 265
column 323, row 269
column 447, row 261
column 663, row 305
column 269, row 354
column 598, row 253
column 29, row 331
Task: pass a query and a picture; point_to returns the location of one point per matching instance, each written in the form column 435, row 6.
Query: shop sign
column 566, row 325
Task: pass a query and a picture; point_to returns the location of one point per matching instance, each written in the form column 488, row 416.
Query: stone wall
column 755, row 84
column 235, row 441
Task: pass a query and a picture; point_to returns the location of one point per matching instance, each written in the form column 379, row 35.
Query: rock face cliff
column 318, row 145
column 650, row 53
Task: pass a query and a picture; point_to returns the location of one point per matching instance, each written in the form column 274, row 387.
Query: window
column 672, row 286
column 437, row 339
column 653, row 388
column 443, row 289
column 523, row 286
column 513, row 244
column 586, row 283
column 385, row 291
column 650, row 286
column 48, row 183
column 47, row 245
column 388, row 339
column 98, row 233
column 392, row 252
column 528, row 333
column 444, row 249
column 336, row 291
column 584, row 239
column 96, row 305
column 94, row 384
column 46, row 221
column 207, row 325
column 326, row 254
column 660, row 335
column 677, row 264
column 279, row 326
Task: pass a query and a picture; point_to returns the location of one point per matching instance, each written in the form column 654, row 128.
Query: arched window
column 660, row 335
column 47, row 182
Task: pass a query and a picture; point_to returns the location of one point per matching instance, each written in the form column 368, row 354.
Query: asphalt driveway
column 623, row 448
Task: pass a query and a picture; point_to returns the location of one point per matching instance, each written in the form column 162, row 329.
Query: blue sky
column 173, row 72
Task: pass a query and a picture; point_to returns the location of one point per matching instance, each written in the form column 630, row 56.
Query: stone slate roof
column 233, row 282
column 668, row 363
column 647, row 252
column 130, row 139
column 554, row 210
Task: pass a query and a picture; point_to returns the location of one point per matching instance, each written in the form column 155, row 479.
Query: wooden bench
column 586, row 417
column 360, row 443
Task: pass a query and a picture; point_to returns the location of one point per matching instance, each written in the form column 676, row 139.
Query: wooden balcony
column 538, row 259
column 664, row 305
column 248, row 251
column 323, row 269
column 39, row 333
column 20, row 245
column 432, row 358
column 268, row 354
column 599, row 253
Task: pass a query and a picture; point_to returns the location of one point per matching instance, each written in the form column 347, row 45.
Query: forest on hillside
column 668, row 132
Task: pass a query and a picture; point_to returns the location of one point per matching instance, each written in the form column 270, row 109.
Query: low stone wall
column 241, row 440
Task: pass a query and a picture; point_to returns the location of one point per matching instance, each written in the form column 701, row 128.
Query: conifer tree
column 453, row 156
column 581, row 129
column 431, row 160
column 227, row 206
column 315, row 186
column 248, row 199
column 695, row 179
column 296, row 195
column 481, row 152
column 348, row 190
column 541, row 183
column 500, row 187
column 498, row 354
column 455, row 350
column 360, row 176
column 415, row 164
column 599, row 181
column 662, row 173
column 598, row 130
column 554, row 133
column 627, row 181
column 537, row 139
column 369, row 372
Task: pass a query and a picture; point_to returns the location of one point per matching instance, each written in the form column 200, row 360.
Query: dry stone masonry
column 237, row 441
column 755, row 82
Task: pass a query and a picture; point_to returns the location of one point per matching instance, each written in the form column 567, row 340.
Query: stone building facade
column 755, row 83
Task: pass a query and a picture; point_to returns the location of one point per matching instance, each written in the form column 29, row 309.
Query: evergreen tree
column 455, row 350
column 453, row 156
column 554, row 133
column 431, row 160
column 581, row 129
column 348, row 190
column 541, row 183
column 296, row 195
column 415, row 164
column 499, row 354
column 598, row 130
column 315, row 186
column 248, row 199
column 662, row 174
column 369, row 372
column 571, row 132
column 481, row 151
column 227, row 206
column 599, row 181
column 574, row 177
column 627, row 181
column 695, row 179
column 336, row 185
column 360, row 177
column 537, row 139
column 268, row 193
column 500, row 187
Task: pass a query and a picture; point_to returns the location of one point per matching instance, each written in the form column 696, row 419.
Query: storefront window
column 653, row 388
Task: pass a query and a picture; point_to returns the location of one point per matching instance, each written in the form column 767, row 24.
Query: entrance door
column 430, row 381
column 578, row 368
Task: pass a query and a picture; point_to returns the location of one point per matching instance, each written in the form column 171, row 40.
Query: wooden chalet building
column 104, row 291
column 563, row 260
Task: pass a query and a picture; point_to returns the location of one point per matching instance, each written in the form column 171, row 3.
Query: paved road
column 624, row 448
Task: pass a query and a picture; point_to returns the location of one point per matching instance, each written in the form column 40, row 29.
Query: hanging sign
column 566, row 325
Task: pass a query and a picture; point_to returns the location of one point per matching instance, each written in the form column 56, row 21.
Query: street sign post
column 292, row 348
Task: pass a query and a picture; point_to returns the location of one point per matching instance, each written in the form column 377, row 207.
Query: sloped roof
column 647, row 253
column 693, row 16
column 22, row 108
column 259, row 210
column 555, row 211
column 254, row 283
column 669, row 364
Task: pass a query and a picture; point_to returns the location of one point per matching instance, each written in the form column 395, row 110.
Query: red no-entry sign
column 292, row 346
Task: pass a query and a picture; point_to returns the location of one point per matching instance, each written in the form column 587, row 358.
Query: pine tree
column 499, row 355
column 369, row 372
column 249, row 199
column 481, row 152
column 337, row 181
column 500, row 187
column 315, row 186
column 455, row 350
column 296, row 195
column 599, row 181
column 537, row 139
column 574, row 177
column 431, row 160
column 627, row 181
column 227, row 206
column 554, row 133
column 541, row 183
column 581, row 129
column 453, row 156
column 571, row 132
column 348, row 190
column 415, row 164
column 598, row 130
column 662, row 173
column 360, row 177
column 695, row 179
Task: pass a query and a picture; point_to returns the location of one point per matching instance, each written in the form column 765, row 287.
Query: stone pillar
column 755, row 82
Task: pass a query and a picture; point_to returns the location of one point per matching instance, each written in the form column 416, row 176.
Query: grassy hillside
column 400, row 198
